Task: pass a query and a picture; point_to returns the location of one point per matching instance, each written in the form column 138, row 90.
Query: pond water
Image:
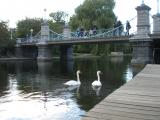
column 31, row 90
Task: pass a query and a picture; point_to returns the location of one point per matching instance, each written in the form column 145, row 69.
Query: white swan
column 73, row 82
column 97, row 83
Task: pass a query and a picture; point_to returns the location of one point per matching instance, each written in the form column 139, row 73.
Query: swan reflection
column 97, row 90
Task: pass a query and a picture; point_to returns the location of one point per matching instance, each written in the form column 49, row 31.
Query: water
column 35, row 91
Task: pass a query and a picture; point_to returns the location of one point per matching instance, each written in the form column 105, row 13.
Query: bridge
column 145, row 45
column 77, row 37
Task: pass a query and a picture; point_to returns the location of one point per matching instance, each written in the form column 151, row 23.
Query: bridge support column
column 44, row 52
column 141, row 42
column 156, row 38
column 156, row 24
column 18, row 51
column 66, row 52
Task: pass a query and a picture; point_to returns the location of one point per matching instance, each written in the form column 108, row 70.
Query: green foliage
column 6, row 44
column 24, row 27
column 90, row 13
column 82, row 48
column 4, row 34
column 58, row 21
column 58, row 16
column 56, row 26
column 94, row 12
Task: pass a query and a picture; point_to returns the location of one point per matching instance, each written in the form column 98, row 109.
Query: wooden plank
column 126, row 109
column 135, row 98
column 148, row 75
column 118, row 116
column 141, row 89
column 128, row 114
column 138, row 93
column 91, row 118
column 139, row 99
column 127, row 105
column 133, row 103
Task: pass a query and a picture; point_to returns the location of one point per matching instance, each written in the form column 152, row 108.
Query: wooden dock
column 139, row 99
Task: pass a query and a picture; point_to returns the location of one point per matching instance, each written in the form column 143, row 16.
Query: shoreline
column 76, row 56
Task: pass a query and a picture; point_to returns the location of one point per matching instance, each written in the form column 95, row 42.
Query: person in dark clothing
column 95, row 28
column 128, row 26
column 114, row 31
column 119, row 27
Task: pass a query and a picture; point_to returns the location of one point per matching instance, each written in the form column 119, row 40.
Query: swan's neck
column 98, row 76
column 78, row 79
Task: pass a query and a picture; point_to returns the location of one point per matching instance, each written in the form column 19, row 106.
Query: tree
column 56, row 26
column 6, row 45
column 58, row 16
column 24, row 26
column 4, row 34
column 58, row 22
column 94, row 12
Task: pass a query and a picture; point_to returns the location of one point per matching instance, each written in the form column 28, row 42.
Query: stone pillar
column 141, row 42
column 18, row 51
column 66, row 32
column 44, row 52
column 143, row 22
column 66, row 52
column 156, row 24
column 44, row 33
column 156, row 39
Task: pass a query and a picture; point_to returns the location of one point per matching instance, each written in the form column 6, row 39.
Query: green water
column 35, row 91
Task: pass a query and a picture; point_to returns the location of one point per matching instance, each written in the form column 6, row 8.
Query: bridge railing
column 55, row 36
column 102, row 33
column 90, row 34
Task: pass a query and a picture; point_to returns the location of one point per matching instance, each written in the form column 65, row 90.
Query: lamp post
column 11, row 33
column 45, row 10
column 157, row 6
column 45, row 19
column 31, row 30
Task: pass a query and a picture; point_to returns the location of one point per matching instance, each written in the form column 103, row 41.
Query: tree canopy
column 94, row 12
column 24, row 26
column 58, row 16
column 4, row 34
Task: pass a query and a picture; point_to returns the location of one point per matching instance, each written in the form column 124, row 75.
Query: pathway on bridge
column 139, row 99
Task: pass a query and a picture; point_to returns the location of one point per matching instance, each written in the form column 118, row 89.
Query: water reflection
column 66, row 66
column 97, row 90
column 31, row 90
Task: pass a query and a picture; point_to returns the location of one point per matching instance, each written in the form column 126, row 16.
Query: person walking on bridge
column 128, row 26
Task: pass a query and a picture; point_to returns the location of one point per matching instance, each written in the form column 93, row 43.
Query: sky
column 14, row 10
